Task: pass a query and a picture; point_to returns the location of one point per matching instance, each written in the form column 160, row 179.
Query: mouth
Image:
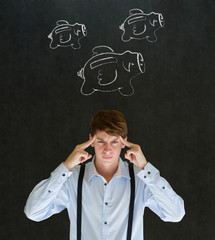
column 107, row 157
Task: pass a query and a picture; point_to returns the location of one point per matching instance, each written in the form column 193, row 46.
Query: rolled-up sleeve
column 160, row 197
column 49, row 196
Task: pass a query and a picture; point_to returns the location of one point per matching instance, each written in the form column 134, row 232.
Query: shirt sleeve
column 49, row 196
column 160, row 197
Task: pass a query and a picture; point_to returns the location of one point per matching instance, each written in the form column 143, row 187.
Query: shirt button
column 63, row 174
column 105, row 184
column 144, row 176
column 163, row 187
column 105, row 223
column 106, row 203
column 149, row 172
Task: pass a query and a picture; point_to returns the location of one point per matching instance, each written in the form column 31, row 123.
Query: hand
column 79, row 155
column 134, row 154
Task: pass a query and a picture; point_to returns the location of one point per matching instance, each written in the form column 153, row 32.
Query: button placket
column 105, row 229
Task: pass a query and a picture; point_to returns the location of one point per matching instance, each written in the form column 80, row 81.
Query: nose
column 107, row 148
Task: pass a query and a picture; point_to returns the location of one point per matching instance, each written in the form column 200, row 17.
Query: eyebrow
column 111, row 140
column 116, row 139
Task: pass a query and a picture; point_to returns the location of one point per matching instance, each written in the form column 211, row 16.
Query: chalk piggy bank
column 66, row 35
column 107, row 71
column 140, row 25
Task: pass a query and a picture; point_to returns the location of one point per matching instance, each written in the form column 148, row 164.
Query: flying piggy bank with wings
column 107, row 71
column 140, row 25
column 66, row 35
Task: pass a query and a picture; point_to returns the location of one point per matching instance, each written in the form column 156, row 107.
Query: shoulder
column 126, row 165
column 136, row 168
column 76, row 170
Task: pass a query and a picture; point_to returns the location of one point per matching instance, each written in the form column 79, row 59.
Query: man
column 110, row 208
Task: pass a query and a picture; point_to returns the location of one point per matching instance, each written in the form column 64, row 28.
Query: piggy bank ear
column 61, row 22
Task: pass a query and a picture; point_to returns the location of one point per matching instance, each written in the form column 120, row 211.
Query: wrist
column 68, row 166
column 143, row 165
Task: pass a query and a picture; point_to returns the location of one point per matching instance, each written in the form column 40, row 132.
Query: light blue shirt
column 105, row 206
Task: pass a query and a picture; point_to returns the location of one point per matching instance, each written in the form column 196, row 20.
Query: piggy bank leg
column 125, row 37
column 152, row 38
column 127, row 90
column 76, row 45
column 53, row 44
column 86, row 89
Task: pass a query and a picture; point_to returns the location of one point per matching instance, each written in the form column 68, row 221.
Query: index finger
column 87, row 143
column 128, row 144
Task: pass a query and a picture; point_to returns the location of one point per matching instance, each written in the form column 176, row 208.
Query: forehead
column 105, row 136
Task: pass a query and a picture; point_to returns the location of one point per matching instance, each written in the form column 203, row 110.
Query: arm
column 158, row 194
column 160, row 197
column 51, row 196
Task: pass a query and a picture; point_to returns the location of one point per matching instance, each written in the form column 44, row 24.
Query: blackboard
column 170, row 112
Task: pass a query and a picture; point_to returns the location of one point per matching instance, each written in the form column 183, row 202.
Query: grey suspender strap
column 131, row 205
column 79, row 201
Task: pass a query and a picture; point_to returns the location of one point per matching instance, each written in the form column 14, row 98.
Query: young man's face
column 107, row 148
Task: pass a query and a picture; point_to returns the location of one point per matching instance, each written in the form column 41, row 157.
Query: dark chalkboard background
column 44, row 115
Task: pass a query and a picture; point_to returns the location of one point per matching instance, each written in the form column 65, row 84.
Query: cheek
column 98, row 147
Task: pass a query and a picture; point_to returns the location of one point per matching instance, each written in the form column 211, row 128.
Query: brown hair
column 112, row 122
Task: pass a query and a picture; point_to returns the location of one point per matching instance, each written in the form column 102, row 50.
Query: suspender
column 79, row 201
column 131, row 204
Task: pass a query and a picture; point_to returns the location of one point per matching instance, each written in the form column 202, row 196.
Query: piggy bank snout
column 84, row 30
column 161, row 20
column 140, row 61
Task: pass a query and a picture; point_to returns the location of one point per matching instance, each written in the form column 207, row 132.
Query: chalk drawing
column 140, row 25
column 66, row 35
column 107, row 71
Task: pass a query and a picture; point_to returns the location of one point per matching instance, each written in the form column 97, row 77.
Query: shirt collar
column 122, row 170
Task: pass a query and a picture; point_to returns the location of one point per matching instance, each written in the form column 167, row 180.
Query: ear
column 123, row 145
column 127, row 65
column 90, row 137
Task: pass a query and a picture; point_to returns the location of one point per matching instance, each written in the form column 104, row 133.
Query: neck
column 106, row 171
